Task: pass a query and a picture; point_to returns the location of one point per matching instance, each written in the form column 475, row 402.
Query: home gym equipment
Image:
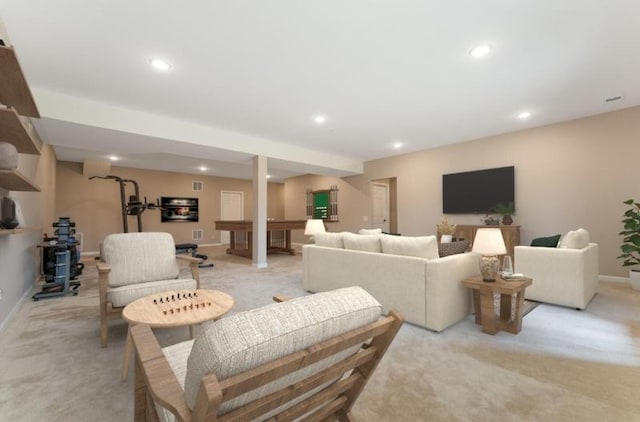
column 60, row 264
column 192, row 249
column 134, row 206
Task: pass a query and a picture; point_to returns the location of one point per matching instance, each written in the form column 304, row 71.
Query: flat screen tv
column 475, row 192
column 179, row 210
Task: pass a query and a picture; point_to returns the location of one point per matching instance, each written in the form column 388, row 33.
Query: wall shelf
column 14, row 90
column 19, row 132
column 14, row 180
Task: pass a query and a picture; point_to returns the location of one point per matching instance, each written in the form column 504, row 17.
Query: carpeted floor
column 565, row 365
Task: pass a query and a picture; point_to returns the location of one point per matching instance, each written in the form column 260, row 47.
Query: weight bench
column 192, row 249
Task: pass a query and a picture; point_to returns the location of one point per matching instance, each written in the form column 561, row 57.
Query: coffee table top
column 177, row 308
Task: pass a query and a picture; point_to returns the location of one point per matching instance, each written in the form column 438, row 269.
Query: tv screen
column 475, row 192
column 179, row 209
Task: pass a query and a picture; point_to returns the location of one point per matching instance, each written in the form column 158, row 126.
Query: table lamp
column 489, row 243
column 313, row 227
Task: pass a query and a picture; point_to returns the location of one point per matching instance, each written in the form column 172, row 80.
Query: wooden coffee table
column 484, row 305
column 175, row 308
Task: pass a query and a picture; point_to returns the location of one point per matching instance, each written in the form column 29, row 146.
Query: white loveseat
column 426, row 290
column 566, row 275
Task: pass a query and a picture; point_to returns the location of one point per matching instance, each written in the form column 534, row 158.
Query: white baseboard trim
column 614, row 278
column 260, row 266
column 15, row 308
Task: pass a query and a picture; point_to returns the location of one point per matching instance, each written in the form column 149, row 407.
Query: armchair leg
column 103, row 330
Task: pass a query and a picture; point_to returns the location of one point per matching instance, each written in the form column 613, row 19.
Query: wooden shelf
column 19, row 132
column 14, row 90
column 14, row 180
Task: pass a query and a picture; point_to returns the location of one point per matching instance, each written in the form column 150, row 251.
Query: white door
column 380, row 196
column 231, row 208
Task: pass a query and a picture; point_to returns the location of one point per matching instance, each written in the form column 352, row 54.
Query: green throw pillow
column 548, row 242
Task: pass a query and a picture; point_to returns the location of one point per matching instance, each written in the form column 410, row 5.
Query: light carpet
column 565, row 365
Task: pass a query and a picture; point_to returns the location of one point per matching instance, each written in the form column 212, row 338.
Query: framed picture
column 179, row 210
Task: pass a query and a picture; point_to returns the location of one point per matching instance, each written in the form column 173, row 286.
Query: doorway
column 384, row 204
column 231, row 208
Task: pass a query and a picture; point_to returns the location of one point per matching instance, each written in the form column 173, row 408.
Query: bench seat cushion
column 123, row 295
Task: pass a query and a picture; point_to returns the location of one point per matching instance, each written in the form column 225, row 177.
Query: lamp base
column 489, row 266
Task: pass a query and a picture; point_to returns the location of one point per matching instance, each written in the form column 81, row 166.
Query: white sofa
column 566, row 275
column 426, row 291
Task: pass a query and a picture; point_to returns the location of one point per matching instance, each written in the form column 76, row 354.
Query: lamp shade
column 314, row 226
column 489, row 242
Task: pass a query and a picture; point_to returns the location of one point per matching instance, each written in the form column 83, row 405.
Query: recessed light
column 203, row 168
column 397, row 145
column 320, row 119
column 524, row 115
column 480, row 50
column 268, row 176
column 114, row 158
column 160, row 64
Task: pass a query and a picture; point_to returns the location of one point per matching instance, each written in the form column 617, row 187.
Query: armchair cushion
column 243, row 341
column 123, row 295
column 139, row 258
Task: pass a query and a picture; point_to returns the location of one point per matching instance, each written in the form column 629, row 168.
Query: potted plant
column 631, row 241
column 446, row 231
column 506, row 211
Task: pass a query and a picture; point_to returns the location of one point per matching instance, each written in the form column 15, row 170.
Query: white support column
column 259, row 211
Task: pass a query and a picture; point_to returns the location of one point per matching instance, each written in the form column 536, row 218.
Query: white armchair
column 561, row 276
column 134, row 265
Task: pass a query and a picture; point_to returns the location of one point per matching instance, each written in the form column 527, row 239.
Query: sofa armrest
column 447, row 301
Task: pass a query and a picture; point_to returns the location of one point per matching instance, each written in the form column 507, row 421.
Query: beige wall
column 568, row 175
column 94, row 205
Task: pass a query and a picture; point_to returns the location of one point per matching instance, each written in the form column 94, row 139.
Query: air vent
column 196, row 186
column 196, row 234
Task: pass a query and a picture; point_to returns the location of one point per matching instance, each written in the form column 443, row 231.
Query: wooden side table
column 175, row 308
column 483, row 303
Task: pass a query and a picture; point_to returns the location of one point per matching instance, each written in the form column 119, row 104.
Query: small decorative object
column 491, row 220
column 8, row 213
column 489, row 243
column 8, row 156
column 446, row 231
column 631, row 241
column 507, row 266
column 505, row 210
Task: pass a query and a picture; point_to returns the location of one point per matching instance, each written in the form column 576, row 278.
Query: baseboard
column 614, row 279
column 15, row 308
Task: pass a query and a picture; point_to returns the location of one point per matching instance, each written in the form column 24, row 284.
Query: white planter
column 446, row 238
column 634, row 276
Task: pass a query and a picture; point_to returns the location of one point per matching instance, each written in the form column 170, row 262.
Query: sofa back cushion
column 139, row 257
column 575, row 239
column 370, row 231
column 329, row 240
column 362, row 242
column 418, row 246
column 243, row 341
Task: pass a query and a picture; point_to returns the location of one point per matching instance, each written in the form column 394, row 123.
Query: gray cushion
column 245, row 340
column 453, row 248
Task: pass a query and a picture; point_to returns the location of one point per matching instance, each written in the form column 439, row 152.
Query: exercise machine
column 60, row 261
column 134, row 206
column 192, row 249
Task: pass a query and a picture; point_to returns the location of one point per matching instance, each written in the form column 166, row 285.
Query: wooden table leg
column 191, row 332
column 487, row 308
column 287, row 239
column 128, row 350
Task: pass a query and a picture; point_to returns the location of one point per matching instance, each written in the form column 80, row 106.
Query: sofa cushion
column 329, row 240
column 575, row 239
column 547, row 242
column 362, row 242
column 248, row 339
column 370, row 231
column 139, row 257
column 453, row 248
column 418, row 246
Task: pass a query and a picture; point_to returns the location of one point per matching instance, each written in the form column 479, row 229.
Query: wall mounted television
column 475, row 192
column 175, row 210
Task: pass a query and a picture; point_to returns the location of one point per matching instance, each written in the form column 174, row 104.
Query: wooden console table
column 510, row 234
column 278, row 235
column 484, row 307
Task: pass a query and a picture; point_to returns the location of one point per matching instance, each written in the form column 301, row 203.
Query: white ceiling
column 248, row 76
